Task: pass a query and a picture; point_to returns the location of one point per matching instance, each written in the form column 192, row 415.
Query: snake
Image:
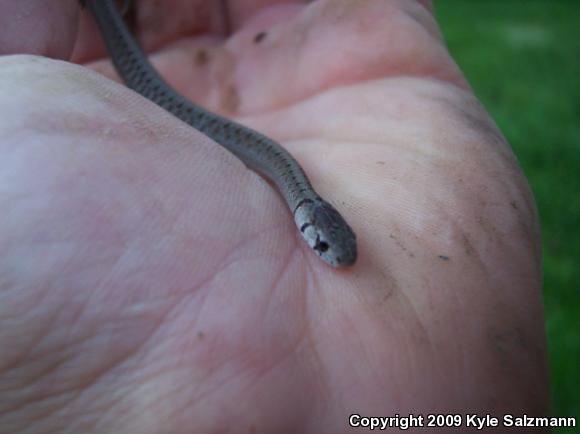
column 320, row 224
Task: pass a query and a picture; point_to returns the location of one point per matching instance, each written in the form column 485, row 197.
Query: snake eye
column 323, row 247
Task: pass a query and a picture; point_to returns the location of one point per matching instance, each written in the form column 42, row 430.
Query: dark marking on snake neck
column 302, row 202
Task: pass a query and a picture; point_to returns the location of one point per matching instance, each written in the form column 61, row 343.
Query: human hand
column 151, row 283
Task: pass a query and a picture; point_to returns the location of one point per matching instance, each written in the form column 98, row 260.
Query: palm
column 183, row 270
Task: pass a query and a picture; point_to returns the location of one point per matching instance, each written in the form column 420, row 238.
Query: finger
column 286, row 53
column 184, row 40
column 46, row 28
column 332, row 43
column 159, row 23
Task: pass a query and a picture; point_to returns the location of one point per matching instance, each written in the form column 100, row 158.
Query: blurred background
column 522, row 58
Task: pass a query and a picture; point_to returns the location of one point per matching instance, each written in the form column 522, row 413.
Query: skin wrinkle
column 400, row 342
column 230, row 372
column 485, row 138
column 29, row 354
column 115, row 363
column 352, row 328
column 278, row 361
column 105, row 369
column 509, row 342
column 230, row 100
column 463, row 237
column 420, row 337
column 206, row 388
column 200, row 288
column 490, row 227
column 73, row 342
column 316, row 373
column 365, row 280
column 457, row 306
column 115, row 405
column 505, row 340
column 276, row 282
column 25, row 353
column 507, row 158
column 155, row 330
column 481, row 222
column 227, row 263
column 400, row 244
column 441, row 210
column 41, row 399
column 182, row 406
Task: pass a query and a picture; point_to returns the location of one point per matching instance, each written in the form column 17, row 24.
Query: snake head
column 326, row 232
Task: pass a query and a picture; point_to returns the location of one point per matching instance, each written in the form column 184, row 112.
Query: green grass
column 522, row 58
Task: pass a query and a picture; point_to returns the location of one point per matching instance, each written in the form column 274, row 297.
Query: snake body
column 321, row 225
